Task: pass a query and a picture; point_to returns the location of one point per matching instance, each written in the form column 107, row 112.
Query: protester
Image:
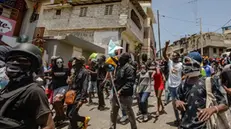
column 226, row 81
column 93, row 80
column 59, row 76
column 22, row 100
column 174, row 79
column 143, row 91
column 78, row 82
column 101, row 75
column 159, row 80
column 208, row 69
column 4, row 80
column 124, row 82
column 192, row 93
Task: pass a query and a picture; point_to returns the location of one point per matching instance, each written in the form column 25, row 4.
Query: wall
column 139, row 33
column 98, row 37
column 64, row 50
column 69, row 18
column 28, row 28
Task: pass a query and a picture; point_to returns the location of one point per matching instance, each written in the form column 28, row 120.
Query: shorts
column 59, row 93
column 173, row 92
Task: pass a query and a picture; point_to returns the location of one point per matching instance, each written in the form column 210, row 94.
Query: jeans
column 100, row 94
column 92, row 86
column 167, row 93
column 173, row 92
column 126, row 103
column 143, row 102
column 72, row 113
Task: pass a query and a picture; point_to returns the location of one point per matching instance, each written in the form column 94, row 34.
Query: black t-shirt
column 93, row 75
column 101, row 73
column 30, row 106
column 59, row 77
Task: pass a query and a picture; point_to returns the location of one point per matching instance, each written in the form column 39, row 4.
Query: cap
column 196, row 56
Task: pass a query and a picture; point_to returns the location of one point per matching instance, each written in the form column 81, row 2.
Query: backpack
column 217, row 120
column 8, row 99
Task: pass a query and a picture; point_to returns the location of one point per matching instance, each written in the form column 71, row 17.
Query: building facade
column 97, row 22
column 21, row 18
column 214, row 44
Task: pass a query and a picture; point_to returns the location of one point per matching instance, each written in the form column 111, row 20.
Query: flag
column 112, row 48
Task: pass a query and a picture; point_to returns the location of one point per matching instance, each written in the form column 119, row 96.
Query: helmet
column 29, row 50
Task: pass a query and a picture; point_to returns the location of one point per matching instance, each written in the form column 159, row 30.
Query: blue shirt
column 207, row 69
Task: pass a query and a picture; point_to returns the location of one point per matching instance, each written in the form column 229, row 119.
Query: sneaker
column 101, row 108
column 123, row 119
column 138, row 113
column 87, row 119
column 145, row 118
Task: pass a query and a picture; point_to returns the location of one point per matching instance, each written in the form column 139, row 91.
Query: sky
column 179, row 18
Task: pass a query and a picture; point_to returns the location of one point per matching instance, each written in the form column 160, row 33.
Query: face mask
column 59, row 63
column 143, row 71
column 17, row 67
column 4, row 80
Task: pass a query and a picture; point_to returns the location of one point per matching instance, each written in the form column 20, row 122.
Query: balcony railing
column 8, row 12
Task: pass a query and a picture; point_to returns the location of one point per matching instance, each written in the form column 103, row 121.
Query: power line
column 168, row 31
column 185, row 20
column 223, row 25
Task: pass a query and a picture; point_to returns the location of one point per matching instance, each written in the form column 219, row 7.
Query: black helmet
column 29, row 50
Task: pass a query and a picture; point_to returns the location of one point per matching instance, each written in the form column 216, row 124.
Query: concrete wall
column 64, row 50
column 28, row 28
column 69, row 18
column 139, row 33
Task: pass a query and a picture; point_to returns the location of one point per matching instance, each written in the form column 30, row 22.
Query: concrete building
column 98, row 22
column 214, row 44
column 21, row 16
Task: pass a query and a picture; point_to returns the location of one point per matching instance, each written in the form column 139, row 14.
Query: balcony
column 8, row 12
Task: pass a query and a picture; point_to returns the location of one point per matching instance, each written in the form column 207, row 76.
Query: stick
column 113, row 85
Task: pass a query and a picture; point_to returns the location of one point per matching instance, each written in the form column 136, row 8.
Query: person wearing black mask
column 124, row 82
column 78, row 81
column 101, row 74
column 23, row 100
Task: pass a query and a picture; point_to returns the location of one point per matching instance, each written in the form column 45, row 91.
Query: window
column 83, row 12
column 58, row 12
column 146, row 32
column 127, row 47
column 108, row 9
column 220, row 50
column 136, row 19
column 214, row 50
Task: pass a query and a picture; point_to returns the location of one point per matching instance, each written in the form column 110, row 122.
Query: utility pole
column 202, row 53
column 158, row 17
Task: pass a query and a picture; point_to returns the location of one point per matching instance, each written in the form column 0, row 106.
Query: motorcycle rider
column 30, row 108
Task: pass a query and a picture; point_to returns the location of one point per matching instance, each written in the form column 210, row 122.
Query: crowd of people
column 194, row 84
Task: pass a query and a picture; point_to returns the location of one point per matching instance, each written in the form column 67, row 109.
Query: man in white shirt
column 175, row 77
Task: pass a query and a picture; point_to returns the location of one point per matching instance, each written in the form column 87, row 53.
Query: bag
column 8, row 99
column 70, row 97
column 217, row 120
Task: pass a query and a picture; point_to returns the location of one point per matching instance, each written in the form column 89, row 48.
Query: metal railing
column 8, row 12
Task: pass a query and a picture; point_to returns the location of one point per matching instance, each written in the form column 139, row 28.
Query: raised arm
column 165, row 51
